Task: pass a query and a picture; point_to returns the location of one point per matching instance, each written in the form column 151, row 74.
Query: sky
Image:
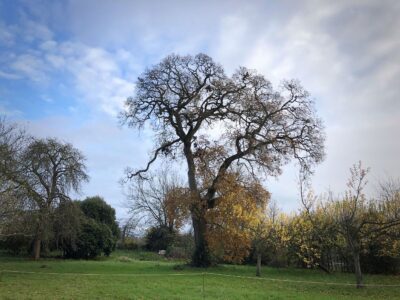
column 66, row 68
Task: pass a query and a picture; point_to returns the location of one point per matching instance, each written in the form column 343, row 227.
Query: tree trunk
column 37, row 243
column 258, row 271
column 201, row 256
column 357, row 269
column 36, row 247
column 124, row 229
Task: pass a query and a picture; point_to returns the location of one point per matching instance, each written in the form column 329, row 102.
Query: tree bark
column 36, row 247
column 258, row 271
column 37, row 243
column 357, row 269
column 201, row 256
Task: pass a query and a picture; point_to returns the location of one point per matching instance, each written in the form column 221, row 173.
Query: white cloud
column 349, row 64
column 7, row 75
column 31, row 67
column 98, row 77
column 47, row 99
column 34, row 30
column 6, row 34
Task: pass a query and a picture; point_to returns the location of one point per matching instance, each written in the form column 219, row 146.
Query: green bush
column 15, row 244
column 159, row 238
column 96, row 208
column 93, row 240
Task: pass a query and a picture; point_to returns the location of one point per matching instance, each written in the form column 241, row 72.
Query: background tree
column 98, row 209
column 12, row 201
column 97, row 232
column 161, row 200
column 94, row 238
column 183, row 96
column 130, row 227
column 270, row 238
column 67, row 225
column 358, row 220
column 159, row 238
column 350, row 215
column 260, row 242
column 44, row 172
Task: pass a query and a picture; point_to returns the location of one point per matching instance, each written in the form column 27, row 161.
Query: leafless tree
column 159, row 199
column 130, row 227
column 259, row 127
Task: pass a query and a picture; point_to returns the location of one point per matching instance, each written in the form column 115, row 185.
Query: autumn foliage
column 238, row 211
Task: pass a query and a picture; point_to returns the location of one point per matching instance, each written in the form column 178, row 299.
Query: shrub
column 15, row 244
column 159, row 238
column 96, row 208
column 94, row 239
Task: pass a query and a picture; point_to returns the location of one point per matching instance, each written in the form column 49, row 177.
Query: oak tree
column 257, row 126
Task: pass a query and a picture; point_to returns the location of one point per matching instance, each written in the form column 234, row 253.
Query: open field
column 140, row 279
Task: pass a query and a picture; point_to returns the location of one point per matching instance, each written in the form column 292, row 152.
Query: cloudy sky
column 66, row 68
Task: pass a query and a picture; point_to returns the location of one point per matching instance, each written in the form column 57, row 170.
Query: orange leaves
column 177, row 202
column 232, row 222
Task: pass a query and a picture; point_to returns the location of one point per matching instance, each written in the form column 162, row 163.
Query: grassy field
column 135, row 275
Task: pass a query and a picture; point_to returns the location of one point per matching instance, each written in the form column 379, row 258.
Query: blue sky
column 66, row 68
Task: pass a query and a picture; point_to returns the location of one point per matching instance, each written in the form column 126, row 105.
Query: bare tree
column 129, row 227
column 160, row 199
column 44, row 172
column 259, row 127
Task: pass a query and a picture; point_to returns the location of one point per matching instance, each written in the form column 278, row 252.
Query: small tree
column 359, row 220
column 94, row 238
column 270, row 238
column 260, row 242
column 91, row 231
column 98, row 209
column 129, row 230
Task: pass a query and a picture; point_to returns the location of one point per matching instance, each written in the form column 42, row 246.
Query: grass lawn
column 138, row 275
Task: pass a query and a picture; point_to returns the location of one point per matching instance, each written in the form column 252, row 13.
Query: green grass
column 138, row 275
